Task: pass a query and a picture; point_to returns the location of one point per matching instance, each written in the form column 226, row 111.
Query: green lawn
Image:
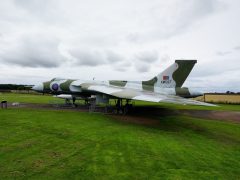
column 43, row 144
column 219, row 107
column 29, row 98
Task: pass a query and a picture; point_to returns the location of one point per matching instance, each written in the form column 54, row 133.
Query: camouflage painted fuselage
column 169, row 82
column 81, row 87
column 165, row 87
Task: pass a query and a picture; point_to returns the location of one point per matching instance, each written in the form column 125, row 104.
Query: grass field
column 29, row 98
column 58, row 144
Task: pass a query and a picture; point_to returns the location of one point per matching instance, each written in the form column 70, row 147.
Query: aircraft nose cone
column 38, row 87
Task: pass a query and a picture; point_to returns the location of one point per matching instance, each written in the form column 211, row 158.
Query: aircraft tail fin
column 174, row 76
column 183, row 71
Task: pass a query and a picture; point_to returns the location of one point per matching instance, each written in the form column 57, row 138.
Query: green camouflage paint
column 66, row 85
column 118, row 83
column 184, row 69
column 183, row 92
column 149, row 85
column 46, row 86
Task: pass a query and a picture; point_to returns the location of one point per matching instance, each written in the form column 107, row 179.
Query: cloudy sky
column 127, row 39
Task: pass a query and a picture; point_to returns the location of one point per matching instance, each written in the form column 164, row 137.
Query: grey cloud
column 142, row 67
column 36, row 7
column 147, row 56
column 237, row 48
column 88, row 58
column 221, row 82
column 191, row 12
column 80, row 24
column 175, row 18
column 24, row 11
column 165, row 58
column 120, row 69
column 144, row 60
column 98, row 40
column 39, row 11
column 134, row 37
column 9, row 13
column 122, row 66
column 33, row 5
column 97, row 57
column 113, row 57
column 223, row 53
column 32, row 51
column 215, row 67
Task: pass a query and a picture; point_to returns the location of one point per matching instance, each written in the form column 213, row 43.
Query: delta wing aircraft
column 165, row 87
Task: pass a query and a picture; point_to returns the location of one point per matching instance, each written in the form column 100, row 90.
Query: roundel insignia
column 55, row 87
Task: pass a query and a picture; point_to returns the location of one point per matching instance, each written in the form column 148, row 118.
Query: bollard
column 4, row 104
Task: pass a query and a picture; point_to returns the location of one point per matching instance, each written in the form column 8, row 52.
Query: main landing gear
column 123, row 109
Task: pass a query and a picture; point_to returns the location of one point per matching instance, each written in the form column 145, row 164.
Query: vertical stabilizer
column 172, row 77
column 183, row 70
